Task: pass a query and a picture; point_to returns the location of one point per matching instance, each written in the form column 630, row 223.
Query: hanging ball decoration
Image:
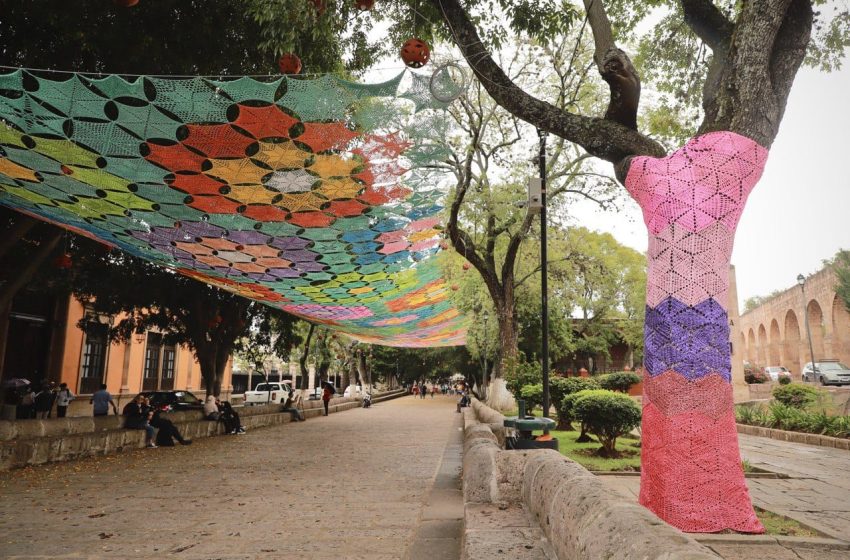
column 364, row 5
column 466, row 266
column 455, row 287
column 289, row 64
column 125, row 3
column 63, row 261
column 444, row 245
column 415, row 53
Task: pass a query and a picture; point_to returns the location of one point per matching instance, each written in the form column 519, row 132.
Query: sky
column 799, row 213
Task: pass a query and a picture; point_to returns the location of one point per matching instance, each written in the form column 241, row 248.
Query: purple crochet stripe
column 693, row 340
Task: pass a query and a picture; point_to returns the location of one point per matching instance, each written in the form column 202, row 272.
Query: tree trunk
column 206, row 356
column 302, row 362
column 498, row 396
column 691, row 473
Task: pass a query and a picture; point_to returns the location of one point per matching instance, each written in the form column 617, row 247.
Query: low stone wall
column 33, row 442
column 580, row 517
column 795, row 437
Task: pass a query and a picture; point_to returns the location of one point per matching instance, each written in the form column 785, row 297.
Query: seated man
column 463, row 402
column 167, row 432
column 138, row 417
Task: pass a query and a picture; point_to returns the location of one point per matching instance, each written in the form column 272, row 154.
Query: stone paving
column 358, row 484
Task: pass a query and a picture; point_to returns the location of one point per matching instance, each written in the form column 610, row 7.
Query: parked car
column 775, row 372
column 827, row 372
column 168, row 401
column 274, row 392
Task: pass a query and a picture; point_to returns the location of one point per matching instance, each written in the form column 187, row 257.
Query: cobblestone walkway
column 357, row 484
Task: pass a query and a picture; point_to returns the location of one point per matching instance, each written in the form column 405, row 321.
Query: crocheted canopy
column 311, row 195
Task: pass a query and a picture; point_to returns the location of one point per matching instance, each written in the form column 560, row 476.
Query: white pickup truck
column 264, row 393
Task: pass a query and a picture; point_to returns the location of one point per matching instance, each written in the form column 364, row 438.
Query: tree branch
column 708, row 23
column 602, row 138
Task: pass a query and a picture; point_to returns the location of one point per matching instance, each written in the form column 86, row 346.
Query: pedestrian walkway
column 362, row 484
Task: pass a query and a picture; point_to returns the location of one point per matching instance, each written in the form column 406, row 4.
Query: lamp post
column 537, row 201
column 801, row 280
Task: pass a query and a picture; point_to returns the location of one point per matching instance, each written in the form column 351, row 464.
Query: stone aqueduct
column 774, row 333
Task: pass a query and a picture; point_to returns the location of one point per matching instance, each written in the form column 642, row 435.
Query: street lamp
column 537, row 201
column 801, row 280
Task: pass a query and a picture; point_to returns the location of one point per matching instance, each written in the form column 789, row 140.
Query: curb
column 795, row 437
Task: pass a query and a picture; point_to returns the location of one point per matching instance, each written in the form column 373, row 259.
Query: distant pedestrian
column 63, row 399
column 101, row 400
column 44, row 401
column 433, row 390
column 326, row 395
column 26, row 410
column 423, row 389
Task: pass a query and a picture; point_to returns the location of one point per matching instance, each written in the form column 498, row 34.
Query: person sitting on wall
column 463, row 402
column 232, row 423
column 137, row 417
column 167, row 432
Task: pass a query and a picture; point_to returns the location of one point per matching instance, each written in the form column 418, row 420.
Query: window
column 94, row 357
column 159, row 364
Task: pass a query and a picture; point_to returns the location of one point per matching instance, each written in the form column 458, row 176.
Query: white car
column 274, row 392
column 775, row 372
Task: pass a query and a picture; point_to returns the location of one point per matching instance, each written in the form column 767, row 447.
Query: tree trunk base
column 498, row 396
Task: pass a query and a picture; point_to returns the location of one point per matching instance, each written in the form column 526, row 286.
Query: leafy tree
column 755, row 301
column 841, row 267
column 620, row 381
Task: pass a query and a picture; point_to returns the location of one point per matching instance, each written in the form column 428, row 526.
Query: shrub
column 532, row 395
column 608, row 415
column 525, row 373
column 784, row 379
column 796, row 395
column 620, row 381
column 561, row 388
column 756, row 376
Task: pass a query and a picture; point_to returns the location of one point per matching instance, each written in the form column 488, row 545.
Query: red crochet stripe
column 691, row 473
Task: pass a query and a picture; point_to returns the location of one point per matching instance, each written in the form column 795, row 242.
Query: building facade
column 40, row 340
column 774, row 333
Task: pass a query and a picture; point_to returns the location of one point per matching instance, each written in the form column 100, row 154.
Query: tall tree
column 691, row 200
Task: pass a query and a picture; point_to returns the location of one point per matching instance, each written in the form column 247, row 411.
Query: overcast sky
column 799, row 213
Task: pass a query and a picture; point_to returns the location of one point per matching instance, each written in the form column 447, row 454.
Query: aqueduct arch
column 751, row 347
column 762, row 346
column 816, row 325
column 792, row 343
column 840, row 328
column 774, row 350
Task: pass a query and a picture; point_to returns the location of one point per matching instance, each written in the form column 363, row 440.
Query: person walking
column 326, row 395
column 100, row 401
column 433, row 390
column 63, row 399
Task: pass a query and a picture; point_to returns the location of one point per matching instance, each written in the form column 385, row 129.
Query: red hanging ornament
column 364, row 5
column 125, row 3
column 466, row 266
column 444, row 245
column 455, row 287
column 63, row 261
column 415, row 53
column 289, row 64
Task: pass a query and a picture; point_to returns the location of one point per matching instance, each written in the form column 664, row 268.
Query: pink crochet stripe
column 671, row 394
column 705, row 181
column 690, row 266
column 697, row 483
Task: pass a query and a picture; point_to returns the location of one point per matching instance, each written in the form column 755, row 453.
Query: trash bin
column 521, row 430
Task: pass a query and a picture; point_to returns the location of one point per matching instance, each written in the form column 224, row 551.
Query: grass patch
column 584, row 453
column 775, row 524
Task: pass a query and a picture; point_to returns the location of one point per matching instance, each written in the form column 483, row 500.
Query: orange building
column 40, row 341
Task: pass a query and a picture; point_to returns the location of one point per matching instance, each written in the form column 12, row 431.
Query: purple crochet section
column 690, row 340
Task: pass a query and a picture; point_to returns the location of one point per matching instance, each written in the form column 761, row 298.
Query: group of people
column 39, row 404
column 222, row 411
column 140, row 415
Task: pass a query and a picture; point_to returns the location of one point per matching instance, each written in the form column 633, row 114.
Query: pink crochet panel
column 691, row 472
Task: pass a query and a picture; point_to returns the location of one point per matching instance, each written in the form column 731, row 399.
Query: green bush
column 607, row 415
column 784, row 379
column 525, row 373
column 620, row 381
column 533, row 396
column 796, row 395
column 561, row 388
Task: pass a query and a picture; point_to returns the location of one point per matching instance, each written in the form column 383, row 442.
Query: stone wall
column 33, row 442
column 580, row 517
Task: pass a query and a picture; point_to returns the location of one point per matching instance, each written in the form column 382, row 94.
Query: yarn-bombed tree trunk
column 691, row 472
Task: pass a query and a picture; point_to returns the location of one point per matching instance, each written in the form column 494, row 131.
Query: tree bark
column 302, row 361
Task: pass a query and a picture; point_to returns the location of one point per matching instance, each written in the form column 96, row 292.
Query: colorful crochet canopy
column 311, row 195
